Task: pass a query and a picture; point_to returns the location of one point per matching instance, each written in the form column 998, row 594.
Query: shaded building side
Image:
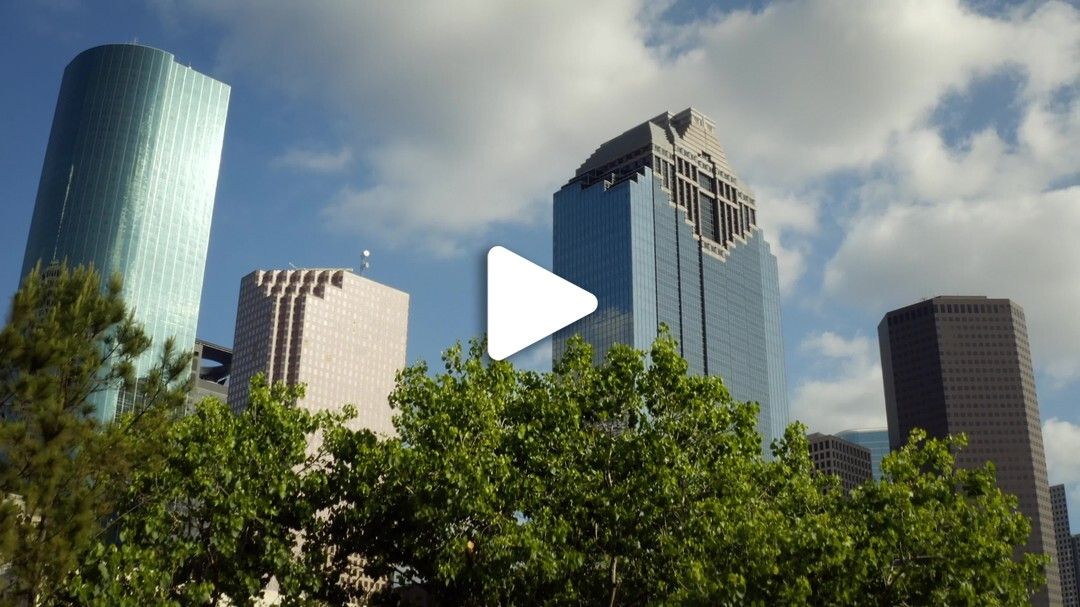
column 956, row 365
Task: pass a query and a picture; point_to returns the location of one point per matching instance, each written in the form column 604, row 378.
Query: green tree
column 935, row 534
column 631, row 483
column 67, row 339
column 222, row 515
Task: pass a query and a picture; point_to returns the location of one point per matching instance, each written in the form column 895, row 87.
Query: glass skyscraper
column 128, row 185
column 875, row 439
column 656, row 224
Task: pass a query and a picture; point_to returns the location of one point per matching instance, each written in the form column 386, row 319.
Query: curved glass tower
column 656, row 224
column 128, row 185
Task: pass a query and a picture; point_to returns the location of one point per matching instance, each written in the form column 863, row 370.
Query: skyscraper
column 340, row 334
column 874, row 439
column 847, row 460
column 128, row 185
column 656, row 224
column 1059, row 505
column 963, row 364
column 1075, row 543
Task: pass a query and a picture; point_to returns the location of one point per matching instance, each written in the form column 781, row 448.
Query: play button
column 526, row 303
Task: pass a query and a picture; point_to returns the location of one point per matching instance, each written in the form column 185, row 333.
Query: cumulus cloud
column 848, row 393
column 1060, row 438
column 468, row 119
column 316, row 161
column 462, row 120
column 984, row 220
column 984, row 216
column 466, row 116
column 789, row 223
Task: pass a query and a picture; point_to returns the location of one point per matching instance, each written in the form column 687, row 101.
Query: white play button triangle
column 526, row 303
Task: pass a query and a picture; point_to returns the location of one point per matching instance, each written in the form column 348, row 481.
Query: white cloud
column 788, row 224
column 1024, row 249
column 848, row 394
column 985, row 217
column 809, row 87
column 466, row 115
column 1060, row 440
column 316, row 161
column 469, row 115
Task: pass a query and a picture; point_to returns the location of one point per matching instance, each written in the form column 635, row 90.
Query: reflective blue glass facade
column 876, row 440
column 628, row 243
column 128, row 185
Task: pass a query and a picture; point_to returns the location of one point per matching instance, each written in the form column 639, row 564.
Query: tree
column 68, row 339
column 221, row 517
column 632, row 483
column 935, row 534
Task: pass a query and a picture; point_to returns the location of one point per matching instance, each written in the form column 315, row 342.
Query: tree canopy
column 68, row 339
column 632, row 483
column 624, row 483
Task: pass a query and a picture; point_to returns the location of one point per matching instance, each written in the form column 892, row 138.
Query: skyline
column 990, row 118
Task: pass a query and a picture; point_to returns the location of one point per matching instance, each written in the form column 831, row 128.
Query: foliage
column 632, row 483
column 933, row 534
column 68, row 339
column 220, row 517
column 627, row 483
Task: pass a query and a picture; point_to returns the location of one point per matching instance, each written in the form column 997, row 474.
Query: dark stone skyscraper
column 1070, row 586
column 849, row 461
column 128, row 185
column 656, row 224
column 963, row 364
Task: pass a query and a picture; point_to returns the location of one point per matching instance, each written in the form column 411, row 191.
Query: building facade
column 340, row 334
column 1066, row 560
column 210, row 368
column 874, row 439
column 128, row 185
column 963, row 365
column 656, row 224
column 1075, row 543
column 849, row 461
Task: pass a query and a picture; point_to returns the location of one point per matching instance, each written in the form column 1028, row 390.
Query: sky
column 897, row 150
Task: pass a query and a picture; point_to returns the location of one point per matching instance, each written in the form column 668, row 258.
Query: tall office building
column 340, row 334
column 962, row 364
column 656, row 224
column 847, row 460
column 1059, row 506
column 874, row 439
column 1075, row 543
column 128, row 185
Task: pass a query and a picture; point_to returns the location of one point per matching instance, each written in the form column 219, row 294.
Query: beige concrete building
column 956, row 365
column 342, row 335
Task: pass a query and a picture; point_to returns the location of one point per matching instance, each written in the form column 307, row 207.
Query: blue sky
column 898, row 150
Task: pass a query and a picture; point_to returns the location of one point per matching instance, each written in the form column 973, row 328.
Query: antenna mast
column 365, row 262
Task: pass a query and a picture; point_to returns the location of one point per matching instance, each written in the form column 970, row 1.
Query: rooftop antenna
column 364, row 261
